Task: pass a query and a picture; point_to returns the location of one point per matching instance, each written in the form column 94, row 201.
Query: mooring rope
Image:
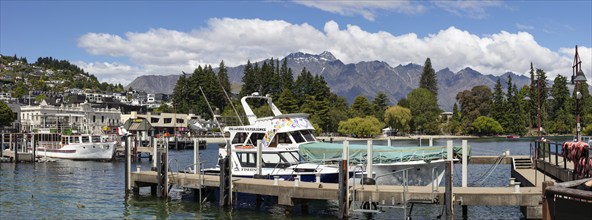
column 487, row 173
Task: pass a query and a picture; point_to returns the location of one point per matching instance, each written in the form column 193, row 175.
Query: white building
column 163, row 122
column 80, row 117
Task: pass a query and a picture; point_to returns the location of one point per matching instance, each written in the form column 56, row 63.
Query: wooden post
column 465, row 163
column 258, row 158
column 546, row 208
column 226, row 178
column 369, row 157
column 2, row 144
column 196, row 162
column 16, row 159
column 431, row 141
column 465, row 212
column 34, row 146
column 162, row 175
column 154, row 153
column 127, row 164
column 343, row 179
column 448, row 200
column 388, row 142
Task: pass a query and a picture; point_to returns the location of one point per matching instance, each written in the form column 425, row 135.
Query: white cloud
column 111, row 72
column 163, row 52
column 468, row 8
column 366, row 9
column 524, row 26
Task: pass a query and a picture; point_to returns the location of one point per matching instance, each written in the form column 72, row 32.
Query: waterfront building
column 166, row 123
column 77, row 117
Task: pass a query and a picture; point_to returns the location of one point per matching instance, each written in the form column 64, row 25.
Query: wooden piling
column 163, row 186
column 342, row 197
column 16, row 154
column 448, row 192
column 546, row 211
column 128, row 164
column 226, row 178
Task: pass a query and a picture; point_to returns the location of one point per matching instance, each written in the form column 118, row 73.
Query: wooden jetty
column 289, row 193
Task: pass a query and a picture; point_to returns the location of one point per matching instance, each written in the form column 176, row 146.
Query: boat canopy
column 323, row 151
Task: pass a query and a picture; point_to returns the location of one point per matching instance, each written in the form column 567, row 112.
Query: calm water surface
column 94, row 190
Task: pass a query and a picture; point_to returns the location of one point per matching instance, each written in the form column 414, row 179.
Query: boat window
column 283, row 138
column 271, row 158
column 296, row 155
column 289, row 157
column 85, row 139
column 72, row 140
column 254, row 137
column 247, row 159
column 239, row 138
column 297, row 137
column 308, row 135
column 96, row 139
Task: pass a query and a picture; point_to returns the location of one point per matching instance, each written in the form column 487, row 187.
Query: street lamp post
column 577, row 78
column 580, row 77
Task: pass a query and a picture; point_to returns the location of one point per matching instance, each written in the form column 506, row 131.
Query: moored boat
column 75, row 146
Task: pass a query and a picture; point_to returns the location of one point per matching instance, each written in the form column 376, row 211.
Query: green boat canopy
column 323, row 151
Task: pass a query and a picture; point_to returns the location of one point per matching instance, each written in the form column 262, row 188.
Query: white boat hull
column 81, row 151
column 420, row 173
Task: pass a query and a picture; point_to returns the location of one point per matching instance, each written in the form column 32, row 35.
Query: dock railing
column 550, row 153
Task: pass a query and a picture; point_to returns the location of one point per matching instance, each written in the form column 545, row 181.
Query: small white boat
column 77, row 147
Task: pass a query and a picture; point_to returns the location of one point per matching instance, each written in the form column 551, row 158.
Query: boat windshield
column 289, row 157
column 297, row 137
column 308, row 135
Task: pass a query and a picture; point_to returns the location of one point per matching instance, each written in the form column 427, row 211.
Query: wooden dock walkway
column 286, row 191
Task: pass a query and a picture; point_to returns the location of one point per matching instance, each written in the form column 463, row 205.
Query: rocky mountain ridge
column 363, row 78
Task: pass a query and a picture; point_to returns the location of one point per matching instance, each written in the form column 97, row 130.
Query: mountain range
column 363, row 78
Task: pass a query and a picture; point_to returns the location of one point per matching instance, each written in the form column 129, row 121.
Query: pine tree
column 499, row 103
column 428, row 78
column 533, row 95
column 380, row 104
column 249, row 81
column 223, row 77
column 286, row 77
column 287, row 102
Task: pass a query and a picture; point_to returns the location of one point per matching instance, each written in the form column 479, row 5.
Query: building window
column 180, row 120
column 167, row 120
column 154, row 120
column 102, row 119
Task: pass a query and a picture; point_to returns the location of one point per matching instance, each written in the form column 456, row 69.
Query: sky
column 118, row 41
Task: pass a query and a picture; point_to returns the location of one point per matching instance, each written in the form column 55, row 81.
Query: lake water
column 95, row 190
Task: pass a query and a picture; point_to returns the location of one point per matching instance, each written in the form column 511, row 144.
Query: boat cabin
column 77, row 139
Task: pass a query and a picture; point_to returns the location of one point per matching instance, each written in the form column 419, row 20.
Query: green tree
column 475, row 102
column 361, row 127
column 164, row 108
column 428, row 78
column 249, row 81
column 499, row 103
column 286, row 102
column 7, row 116
column 398, row 118
column 424, row 110
column 223, row 77
column 484, row 125
column 286, row 76
column 361, row 107
column 380, row 104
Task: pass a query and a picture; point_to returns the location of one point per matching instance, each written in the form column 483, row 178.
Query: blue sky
column 120, row 40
